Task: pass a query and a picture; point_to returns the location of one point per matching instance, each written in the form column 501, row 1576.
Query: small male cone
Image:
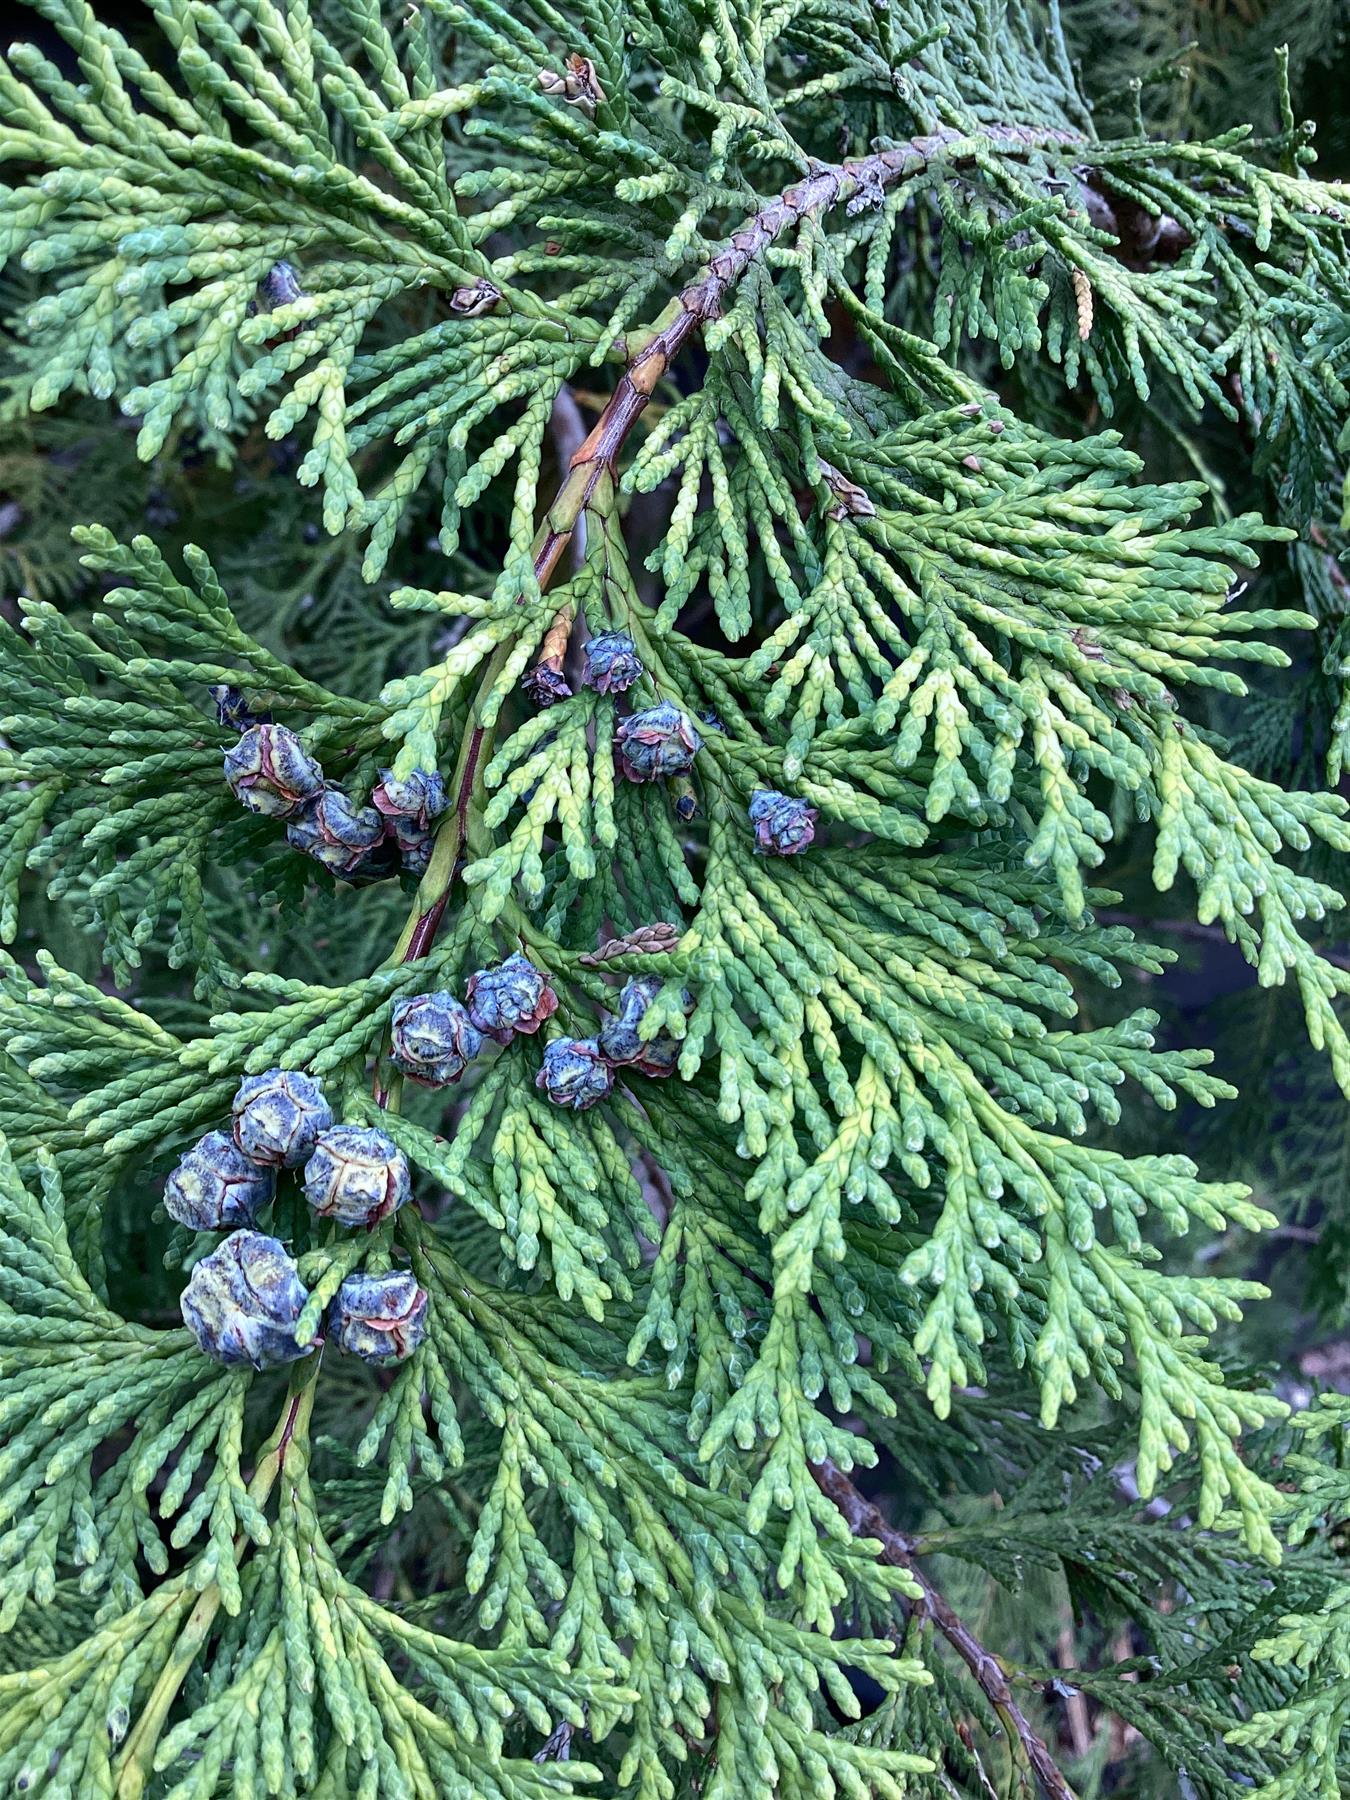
column 280, row 286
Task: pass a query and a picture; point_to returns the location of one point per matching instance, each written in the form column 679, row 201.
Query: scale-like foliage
column 700, row 326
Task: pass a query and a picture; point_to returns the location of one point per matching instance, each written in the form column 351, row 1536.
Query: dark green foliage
column 745, row 510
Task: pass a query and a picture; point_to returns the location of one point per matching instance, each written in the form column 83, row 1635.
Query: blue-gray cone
column 380, row 1318
column 337, row 834
column 243, row 1302
column 270, row 771
column 656, row 744
column 573, row 1073
column 619, row 1040
column 784, row 826
column 278, row 1117
column 432, row 1038
column 216, row 1185
column 515, row 996
column 356, row 1175
column 612, row 663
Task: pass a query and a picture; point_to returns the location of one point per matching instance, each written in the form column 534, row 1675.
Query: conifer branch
column 1199, row 932
column 797, row 1052
column 704, row 298
column 433, row 893
column 138, row 1752
column 867, row 1521
column 595, row 461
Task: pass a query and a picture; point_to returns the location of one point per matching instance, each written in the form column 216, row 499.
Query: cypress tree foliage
column 769, row 351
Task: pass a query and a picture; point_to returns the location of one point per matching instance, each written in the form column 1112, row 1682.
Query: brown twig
column 592, row 467
column 644, row 940
column 865, row 1520
column 701, row 301
column 1075, row 1706
column 567, row 428
column 428, row 921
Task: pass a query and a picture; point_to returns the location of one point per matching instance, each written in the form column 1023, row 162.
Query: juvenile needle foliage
column 624, row 960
